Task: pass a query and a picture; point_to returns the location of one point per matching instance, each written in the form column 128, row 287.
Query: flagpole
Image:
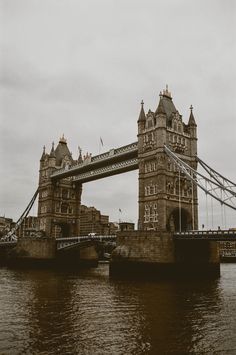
column 100, row 144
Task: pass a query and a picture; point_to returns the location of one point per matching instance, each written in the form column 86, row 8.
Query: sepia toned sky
column 82, row 67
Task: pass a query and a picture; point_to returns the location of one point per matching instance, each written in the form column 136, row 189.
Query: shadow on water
column 52, row 312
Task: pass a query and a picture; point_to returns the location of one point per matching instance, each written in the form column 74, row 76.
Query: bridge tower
column 167, row 200
column 59, row 201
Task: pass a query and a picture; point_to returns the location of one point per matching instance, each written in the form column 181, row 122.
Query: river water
column 50, row 312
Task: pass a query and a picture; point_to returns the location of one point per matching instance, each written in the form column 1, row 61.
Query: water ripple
column 47, row 312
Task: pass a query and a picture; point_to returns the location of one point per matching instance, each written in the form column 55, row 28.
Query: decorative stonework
column 161, row 186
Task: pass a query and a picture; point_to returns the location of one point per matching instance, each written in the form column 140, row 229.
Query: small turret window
column 64, row 208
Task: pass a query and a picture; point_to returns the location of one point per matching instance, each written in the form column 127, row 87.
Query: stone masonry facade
column 167, row 200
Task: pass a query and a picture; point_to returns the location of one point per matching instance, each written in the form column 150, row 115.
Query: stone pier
column 155, row 254
column 43, row 252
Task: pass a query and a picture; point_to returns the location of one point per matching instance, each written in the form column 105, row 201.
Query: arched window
column 64, row 208
column 65, row 193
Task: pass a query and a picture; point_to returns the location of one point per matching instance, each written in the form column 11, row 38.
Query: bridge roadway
column 113, row 162
column 216, row 235
column 66, row 242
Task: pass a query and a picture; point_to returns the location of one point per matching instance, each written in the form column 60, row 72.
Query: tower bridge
column 165, row 155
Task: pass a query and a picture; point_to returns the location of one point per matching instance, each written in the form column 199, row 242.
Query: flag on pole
column 101, row 141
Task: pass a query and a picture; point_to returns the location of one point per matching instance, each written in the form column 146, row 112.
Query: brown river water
column 54, row 312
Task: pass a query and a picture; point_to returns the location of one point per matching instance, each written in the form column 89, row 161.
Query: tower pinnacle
column 191, row 120
column 167, row 93
column 142, row 116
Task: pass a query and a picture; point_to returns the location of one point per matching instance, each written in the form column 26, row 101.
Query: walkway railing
column 113, row 169
column 218, row 235
column 112, row 155
column 65, row 242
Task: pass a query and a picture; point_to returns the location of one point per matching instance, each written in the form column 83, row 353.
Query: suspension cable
column 207, row 224
column 22, row 217
column 193, row 215
column 214, row 174
column 212, row 217
column 180, row 227
column 197, row 178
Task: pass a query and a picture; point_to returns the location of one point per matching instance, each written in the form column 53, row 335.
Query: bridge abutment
column 33, row 252
column 156, row 255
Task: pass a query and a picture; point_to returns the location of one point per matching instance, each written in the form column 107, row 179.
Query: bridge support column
column 148, row 254
column 155, row 254
column 33, row 252
column 197, row 258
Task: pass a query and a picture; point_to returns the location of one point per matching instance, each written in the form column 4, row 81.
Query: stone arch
column 173, row 222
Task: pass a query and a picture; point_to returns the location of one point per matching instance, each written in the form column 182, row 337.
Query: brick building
column 5, row 225
column 92, row 221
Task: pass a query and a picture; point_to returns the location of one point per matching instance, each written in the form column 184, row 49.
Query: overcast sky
column 81, row 67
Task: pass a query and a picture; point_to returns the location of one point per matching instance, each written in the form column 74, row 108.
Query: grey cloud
column 67, row 69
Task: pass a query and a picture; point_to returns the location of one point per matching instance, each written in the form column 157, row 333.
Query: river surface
column 49, row 312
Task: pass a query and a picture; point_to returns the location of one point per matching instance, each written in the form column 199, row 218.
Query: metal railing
column 117, row 152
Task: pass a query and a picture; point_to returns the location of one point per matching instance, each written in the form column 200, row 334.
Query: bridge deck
column 114, row 161
column 63, row 243
column 216, row 235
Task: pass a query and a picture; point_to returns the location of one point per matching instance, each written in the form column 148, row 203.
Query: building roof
column 61, row 151
column 166, row 104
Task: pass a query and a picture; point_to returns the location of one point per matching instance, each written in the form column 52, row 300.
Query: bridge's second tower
column 167, row 200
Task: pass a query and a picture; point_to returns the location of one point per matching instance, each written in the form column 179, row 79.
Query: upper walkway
column 114, row 161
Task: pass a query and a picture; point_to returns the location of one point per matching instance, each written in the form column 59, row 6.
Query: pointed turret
column 142, row 116
column 43, row 154
column 160, row 108
column 192, row 126
column 191, row 121
column 52, row 157
column 141, row 119
column 52, row 153
column 80, row 159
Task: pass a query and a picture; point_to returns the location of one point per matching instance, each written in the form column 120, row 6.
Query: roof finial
column 166, row 92
column 142, row 116
column 44, row 149
column 62, row 139
column 191, row 108
column 160, row 94
column 52, row 145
